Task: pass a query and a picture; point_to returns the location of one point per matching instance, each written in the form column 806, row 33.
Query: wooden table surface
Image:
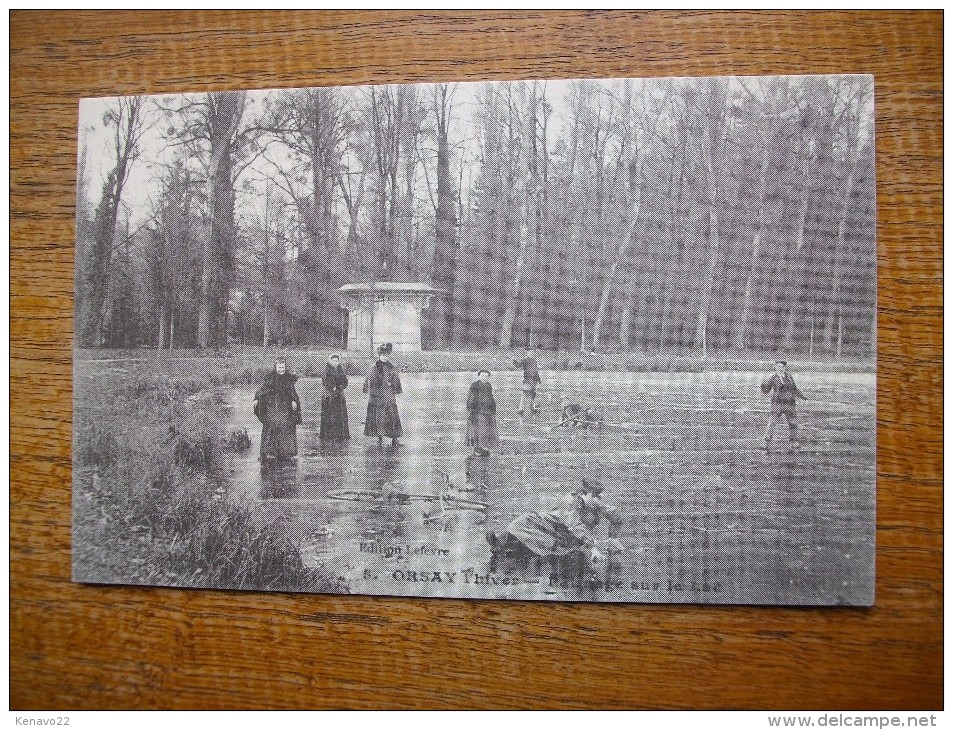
column 83, row 647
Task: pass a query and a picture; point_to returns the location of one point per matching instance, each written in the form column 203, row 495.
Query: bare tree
column 169, row 252
column 770, row 113
column 638, row 149
column 386, row 114
column 445, row 212
column 711, row 104
column 810, row 170
column 850, row 145
column 269, row 252
column 695, row 216
column 314, row 125
column 223, row 141
column 224, row 114
column 529, row 219
column 127, row 119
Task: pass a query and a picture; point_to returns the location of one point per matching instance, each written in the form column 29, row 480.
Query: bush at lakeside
column 150, row 501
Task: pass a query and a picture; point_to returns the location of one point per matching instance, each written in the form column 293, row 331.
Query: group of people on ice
column 278, row 406
column 565, row 536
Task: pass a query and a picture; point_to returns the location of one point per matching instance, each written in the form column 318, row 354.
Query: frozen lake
column 681, row 456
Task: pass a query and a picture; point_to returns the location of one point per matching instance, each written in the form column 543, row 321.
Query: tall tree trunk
column 528, row 229
column 445, row 253
column 266, row 334
column 834, row 326
column 745, row 316
column 99, row 271
column 225, row 113
column 387, row 120
column 629, row 238
column 406, row 238
column 672, row 271
column 509, row 314
column 161, row 338
column 128, row 120
column 713, row 122
column 636, row 298
column 704, row 307
column 317, row 276
column 799, row 265
column 172, row 328
column 81, row 313
column 627, row 241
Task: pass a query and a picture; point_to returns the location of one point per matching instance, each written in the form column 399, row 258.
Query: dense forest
column 681, row 216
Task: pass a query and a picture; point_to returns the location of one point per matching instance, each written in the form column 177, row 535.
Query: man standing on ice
column 530, row 381
column 784, row 394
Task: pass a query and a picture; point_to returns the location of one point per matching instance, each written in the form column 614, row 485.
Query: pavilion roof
column 390, row 287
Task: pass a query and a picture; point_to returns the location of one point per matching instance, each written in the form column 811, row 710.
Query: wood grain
column 76, row 647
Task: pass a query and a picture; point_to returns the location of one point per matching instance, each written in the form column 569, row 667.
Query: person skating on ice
column 531, row 381
column 784, row 396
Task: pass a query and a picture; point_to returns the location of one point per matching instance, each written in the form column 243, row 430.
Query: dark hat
column 385, row 349
column 781, row 362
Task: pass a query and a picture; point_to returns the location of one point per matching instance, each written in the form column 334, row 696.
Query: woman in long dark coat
column 279, row 409
column 382, row 384
column 482, row 433
column 334, row 425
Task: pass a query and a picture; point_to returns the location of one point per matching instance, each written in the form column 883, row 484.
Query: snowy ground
column 708, row 515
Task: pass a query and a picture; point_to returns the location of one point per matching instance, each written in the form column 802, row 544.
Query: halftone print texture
column 285, row 299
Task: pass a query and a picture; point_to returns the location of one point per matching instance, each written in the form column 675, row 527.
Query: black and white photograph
column 605, row 340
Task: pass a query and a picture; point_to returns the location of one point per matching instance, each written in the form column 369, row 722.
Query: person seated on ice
column 531, row 381
column 278, row 407
column 565, row 536
column 482, row 435
column 784, row 394
column 583, row 417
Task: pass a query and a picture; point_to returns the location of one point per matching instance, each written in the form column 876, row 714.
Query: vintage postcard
column 581, row 340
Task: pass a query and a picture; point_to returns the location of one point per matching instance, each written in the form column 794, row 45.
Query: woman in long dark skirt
column 279, row 409
column 334, row 425
column 382, row 384
column 482, row 435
